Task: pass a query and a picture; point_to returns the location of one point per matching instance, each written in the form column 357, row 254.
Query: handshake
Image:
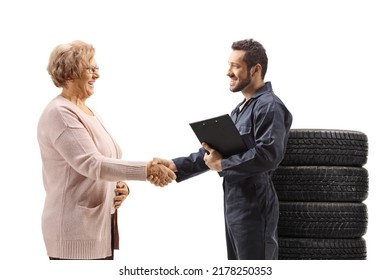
column 161, row 172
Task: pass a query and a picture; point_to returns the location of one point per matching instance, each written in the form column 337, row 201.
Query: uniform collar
column 267, row 87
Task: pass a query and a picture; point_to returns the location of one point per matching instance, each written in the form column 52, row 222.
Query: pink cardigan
column 80, row 166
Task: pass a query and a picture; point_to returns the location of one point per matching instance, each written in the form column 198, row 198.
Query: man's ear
column 256, row 70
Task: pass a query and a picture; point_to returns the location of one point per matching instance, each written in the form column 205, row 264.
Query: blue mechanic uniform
column 251, row 205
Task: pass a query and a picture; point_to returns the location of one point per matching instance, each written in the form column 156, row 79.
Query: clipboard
column 221, row 134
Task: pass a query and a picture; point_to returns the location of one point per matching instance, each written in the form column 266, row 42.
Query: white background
column 163, row 64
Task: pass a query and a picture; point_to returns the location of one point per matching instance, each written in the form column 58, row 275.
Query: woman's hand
column 121, row 192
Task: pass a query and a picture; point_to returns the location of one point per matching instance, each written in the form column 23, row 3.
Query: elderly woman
column 82, row 169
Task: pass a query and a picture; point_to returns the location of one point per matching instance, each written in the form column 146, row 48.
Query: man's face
column 238, row 72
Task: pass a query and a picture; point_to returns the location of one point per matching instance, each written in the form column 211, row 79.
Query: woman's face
column 84, row 87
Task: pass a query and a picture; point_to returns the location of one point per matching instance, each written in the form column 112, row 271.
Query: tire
column 322, row 220
column 321, row 183
column 326, row 147
column 322, row 249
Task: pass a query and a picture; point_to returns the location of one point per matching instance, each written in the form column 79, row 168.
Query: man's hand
column 121, row 193
column 159, row 172
column 212, row 158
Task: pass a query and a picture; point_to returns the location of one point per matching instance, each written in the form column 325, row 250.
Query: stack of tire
column 321, row 184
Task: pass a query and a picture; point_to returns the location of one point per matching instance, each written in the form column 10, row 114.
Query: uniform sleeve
column 190, row 166
column 270, row 127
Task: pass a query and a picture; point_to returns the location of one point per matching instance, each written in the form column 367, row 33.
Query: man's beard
column 243, row 84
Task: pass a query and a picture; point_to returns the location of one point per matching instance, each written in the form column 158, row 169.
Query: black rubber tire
column 326, row 147
column 322, row 219
column 321, row 183
column 322, row 249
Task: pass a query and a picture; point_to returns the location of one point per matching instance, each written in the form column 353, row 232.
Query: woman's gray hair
column 67, row 61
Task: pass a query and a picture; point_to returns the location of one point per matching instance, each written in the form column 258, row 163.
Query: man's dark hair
column 254, row 54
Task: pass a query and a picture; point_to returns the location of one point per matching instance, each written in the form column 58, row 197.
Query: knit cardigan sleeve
column 75, row 145
column 72, row 140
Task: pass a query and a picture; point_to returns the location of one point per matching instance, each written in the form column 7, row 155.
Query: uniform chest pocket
column 247, row 135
